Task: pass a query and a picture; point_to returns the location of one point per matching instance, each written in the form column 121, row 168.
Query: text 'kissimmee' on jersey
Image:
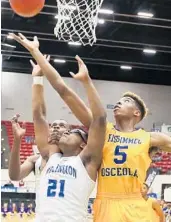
column 125, row 162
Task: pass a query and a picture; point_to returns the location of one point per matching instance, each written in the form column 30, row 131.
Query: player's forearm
column 73, row 101
column 162, row 217
column 14, row 161
column 167, row 147
column 51, row 74
column 38, row 103
column 161, row 140
column 95, row 103
column 159, row 211
column 78, row 107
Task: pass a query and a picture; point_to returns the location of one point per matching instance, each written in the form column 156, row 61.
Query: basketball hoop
column 77, row 20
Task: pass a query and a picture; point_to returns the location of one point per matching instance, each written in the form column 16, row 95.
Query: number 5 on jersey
column 121, row 156
column 51, row 191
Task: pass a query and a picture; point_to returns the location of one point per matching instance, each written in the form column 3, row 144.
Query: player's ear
column 82, row 145
column 137, row 113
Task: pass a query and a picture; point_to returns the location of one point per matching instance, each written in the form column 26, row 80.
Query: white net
column 77, row 20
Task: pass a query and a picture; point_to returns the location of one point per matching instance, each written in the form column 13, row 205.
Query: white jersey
column 37, row 178
column 38, row 170
column 64, row 190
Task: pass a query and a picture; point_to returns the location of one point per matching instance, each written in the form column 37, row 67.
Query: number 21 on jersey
column 52, row 188
column 120, row 155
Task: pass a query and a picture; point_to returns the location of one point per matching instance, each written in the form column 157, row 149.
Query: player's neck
column 69, row 153
column 146, row 197
column 125, row 125
column 53, row 148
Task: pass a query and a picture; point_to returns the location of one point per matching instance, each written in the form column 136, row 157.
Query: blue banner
column 8, row 189
column 110, row 106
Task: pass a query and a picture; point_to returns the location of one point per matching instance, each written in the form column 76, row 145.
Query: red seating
column 27, row 140
column 164, row 164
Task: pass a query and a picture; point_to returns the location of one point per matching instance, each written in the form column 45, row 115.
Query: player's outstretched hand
column 29, row 45
column 82, row 74
column 18, row 131
column 36, row 68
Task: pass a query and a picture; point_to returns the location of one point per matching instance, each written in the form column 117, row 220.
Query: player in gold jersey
column 154, row 205
column 124, row 165
column 125, row 154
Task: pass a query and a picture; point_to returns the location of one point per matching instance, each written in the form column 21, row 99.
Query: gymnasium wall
column 16, row 98
column 29, row 180
column 157, row 184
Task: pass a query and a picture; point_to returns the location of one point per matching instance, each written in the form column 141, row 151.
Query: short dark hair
column 82, row 133
column 153, row 148
column 139, row 103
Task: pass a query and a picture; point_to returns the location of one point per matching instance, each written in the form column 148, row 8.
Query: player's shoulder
column 153, row 200
column 109, row 126
column 142, row 133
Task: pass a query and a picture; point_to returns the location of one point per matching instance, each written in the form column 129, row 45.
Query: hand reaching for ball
column 82, row 74
column 29, row 45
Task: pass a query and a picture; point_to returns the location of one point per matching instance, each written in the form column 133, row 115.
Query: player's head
column 162, row 202
column 73, row 142
column 57, row 128
column 152, row 151
column 144, row 189
column 22, row 204
column 130, row 106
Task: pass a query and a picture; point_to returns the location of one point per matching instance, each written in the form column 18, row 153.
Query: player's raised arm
column 92, row 153
column 76, row 105
column 41, row 126
column 16, row 170
column 161, row 140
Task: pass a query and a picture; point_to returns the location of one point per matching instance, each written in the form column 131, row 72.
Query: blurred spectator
column 168, row 213
column 30, row 211
column 152, row 194
column 89, row 209
column 165, row 207
column 5, row 210
column 13, row 209
column 31, row 207
column 162, row 202
column 22, row 209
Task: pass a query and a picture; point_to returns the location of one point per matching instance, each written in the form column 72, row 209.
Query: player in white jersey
column 65, row 187
column 17, row 171
column 69, row 178
column 71, row 145
column 81, row 159
column 34, row 163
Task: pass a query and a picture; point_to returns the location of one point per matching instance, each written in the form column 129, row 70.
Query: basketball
column 27, row 8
